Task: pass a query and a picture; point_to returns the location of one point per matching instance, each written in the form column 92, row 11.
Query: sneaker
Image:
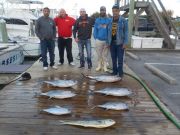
column 54, row 67
column 72, row 63
column 45, row 68
column 60, row 64
column 81, row 66
column 89, row 66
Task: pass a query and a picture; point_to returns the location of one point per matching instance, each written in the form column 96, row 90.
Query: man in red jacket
column 64, row 25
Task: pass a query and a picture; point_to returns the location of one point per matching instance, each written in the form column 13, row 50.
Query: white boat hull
column 31, row 46
column 11, row 54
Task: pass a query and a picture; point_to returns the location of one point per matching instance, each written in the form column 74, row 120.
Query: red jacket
column 64, row 26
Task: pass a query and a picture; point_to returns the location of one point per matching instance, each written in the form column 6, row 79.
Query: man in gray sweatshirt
column 46, row 31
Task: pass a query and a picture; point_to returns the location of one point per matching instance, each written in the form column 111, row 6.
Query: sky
column 91, row 6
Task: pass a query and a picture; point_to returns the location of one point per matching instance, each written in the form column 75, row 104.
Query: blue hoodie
column 101, row 28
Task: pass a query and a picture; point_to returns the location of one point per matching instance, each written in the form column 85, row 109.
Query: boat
column 11, row 53
column 20, row 25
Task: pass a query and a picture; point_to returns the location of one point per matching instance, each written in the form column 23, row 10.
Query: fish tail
column 41, row 111
column 88, row 76
column 50, row 98
column 36, row 94
column 62, row 122
column 84, row 75
column 93, row 107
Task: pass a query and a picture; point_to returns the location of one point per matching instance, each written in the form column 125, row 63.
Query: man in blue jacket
column 118, row 40
column 100, row 36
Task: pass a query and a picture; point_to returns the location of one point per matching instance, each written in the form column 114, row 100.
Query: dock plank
column 20, row 108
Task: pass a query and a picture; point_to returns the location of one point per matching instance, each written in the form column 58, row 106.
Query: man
column 118, row 40
column 100, row 36
column 46, row 31
column 83, row 27
column 64, row 24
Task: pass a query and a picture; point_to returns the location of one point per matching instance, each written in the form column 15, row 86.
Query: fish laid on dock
column 91, row 123
column 115, row 91
column 58, row 94
column 57, row 110
column 104, row 78
column 61, row 83
column 114, row 106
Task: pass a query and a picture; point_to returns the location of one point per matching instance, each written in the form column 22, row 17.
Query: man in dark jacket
column 83, row 29
column 46, row 31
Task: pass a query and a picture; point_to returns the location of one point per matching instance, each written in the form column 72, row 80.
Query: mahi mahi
column 104, row 78
column 91, row 123
column 57, row 110
column 115, row 91
column 62, row 83
column 114, row 106
column 58, row 94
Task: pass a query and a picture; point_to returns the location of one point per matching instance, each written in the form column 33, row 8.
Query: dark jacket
column 83, row 28
column 45, row 28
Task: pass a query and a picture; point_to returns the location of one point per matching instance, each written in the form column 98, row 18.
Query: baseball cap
column 115, row 6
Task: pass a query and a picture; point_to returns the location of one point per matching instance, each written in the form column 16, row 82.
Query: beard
column 102, row 14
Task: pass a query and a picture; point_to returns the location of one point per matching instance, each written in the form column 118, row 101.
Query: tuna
column 57, row 110
column 114, row 106
column 58, row 94
column 115, row 91
column 62, row 83
column 104, row 78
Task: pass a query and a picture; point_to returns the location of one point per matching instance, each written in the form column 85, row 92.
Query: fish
column 58, row 94
column 115, row 91
column 114, row 106
column 61, row 83
column 104, row 78
column 104, row 123
column 57, row 110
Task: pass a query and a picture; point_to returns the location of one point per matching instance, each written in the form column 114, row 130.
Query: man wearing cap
column 100, row 36
column 118, row 40
column 64, row 24
column 83, row 29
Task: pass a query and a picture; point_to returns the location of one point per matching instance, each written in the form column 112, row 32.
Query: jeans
column 62, row 44
column 117, row 54
column 47, row 45
column 81, row 45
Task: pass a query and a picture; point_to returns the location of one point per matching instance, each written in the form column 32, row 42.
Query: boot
column 81, row 64
column 105, row 67
column 99, row 66
column 89, row 63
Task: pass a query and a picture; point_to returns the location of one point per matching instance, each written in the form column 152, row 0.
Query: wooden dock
column 20, row 108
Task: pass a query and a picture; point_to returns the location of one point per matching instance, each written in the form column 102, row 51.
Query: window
column 14, row 21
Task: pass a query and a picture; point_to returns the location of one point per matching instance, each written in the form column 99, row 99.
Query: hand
column 124, row 46
column 76, row 40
